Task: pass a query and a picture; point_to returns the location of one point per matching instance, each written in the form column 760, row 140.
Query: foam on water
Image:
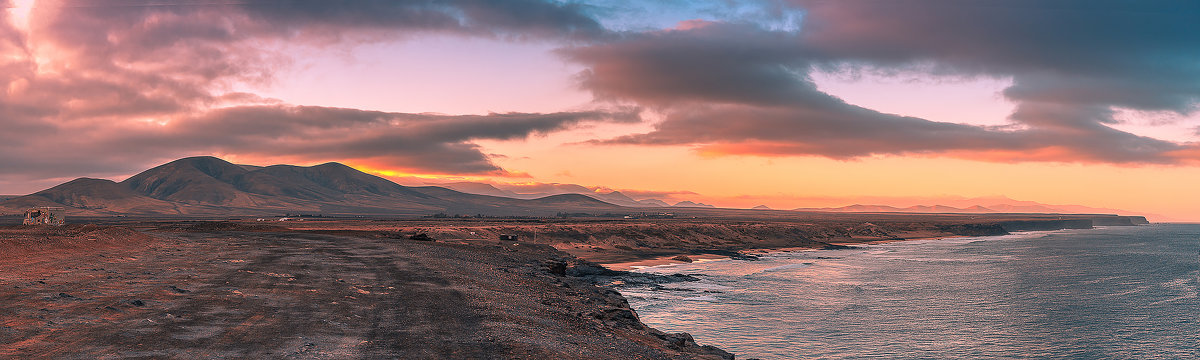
column 1116, row 292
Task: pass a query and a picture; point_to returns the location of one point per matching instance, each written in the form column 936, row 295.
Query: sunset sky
column 733, row 103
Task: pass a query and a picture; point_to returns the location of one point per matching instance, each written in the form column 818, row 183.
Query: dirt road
column 311, row 295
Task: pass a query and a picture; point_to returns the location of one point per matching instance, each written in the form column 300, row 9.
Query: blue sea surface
column 1104, row 293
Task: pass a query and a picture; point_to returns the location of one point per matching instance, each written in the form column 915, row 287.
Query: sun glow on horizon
column 406, row 178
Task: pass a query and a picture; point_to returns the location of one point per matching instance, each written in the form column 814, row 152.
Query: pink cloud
column 110, row 87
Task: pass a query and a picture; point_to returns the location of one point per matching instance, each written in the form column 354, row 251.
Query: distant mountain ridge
column 981, row 205
column 211, row 186
column 1011, row 206
column 613, row 197
column 690, row 204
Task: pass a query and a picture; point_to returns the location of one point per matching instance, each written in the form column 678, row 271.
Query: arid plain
column 393, row 287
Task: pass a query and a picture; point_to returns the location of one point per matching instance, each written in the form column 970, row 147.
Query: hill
column 973, row 206
column 613, row 197
column 209, row 186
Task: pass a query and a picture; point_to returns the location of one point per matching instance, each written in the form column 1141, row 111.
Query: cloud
column 1137, row 55
column 417, row 143
column 420, row 143
column 170, row 21
column 107, row 87
column 738, row 88
column 702, row 62
column 149, row 58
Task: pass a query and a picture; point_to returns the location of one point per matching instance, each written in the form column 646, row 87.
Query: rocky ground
column 626, row 241
column 261, row 292
column 384, row 288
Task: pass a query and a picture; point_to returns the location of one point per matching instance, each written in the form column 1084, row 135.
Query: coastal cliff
column 1045, row 225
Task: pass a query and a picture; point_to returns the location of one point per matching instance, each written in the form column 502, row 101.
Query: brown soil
column 621, row 243
column 27, row 240
column 308, row 295
column 336, row 289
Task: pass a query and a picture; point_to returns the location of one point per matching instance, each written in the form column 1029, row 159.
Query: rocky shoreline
column 614, row 242
column 379, row 289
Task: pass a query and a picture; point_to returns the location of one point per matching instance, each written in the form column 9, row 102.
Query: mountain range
column 212, row 186
column 209, row 186
column 613, row 197
column 996, row 204
column 971, row 206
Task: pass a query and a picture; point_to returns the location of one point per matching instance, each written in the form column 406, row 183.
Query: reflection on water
column 1117, row 292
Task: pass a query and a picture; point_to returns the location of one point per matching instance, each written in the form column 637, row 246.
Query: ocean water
column 1105, row 293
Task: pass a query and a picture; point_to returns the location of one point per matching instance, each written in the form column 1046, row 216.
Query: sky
column 786, row 103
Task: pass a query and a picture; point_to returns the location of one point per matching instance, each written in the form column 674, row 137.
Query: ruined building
column 52, row 216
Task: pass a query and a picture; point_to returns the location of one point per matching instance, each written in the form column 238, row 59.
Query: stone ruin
column 46, row 215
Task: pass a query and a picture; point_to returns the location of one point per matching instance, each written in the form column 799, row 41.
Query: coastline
column 758, row 252
column 896, row 272
column 703, row 257
column 457, row 292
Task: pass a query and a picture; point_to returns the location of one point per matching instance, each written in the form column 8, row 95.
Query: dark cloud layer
column 1135, row 54
column 741, row 89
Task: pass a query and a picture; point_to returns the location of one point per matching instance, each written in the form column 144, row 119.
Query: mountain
column 761, row 207
column 933, row 209
column 195, row 180
column 1022, row 208
column 211, row 186
column 856, row 208
column 1005, row 204
column 616, row 197
column 92, row 196
column 653, row 203
column 910, row 209
column 484, row 189
column 613, row 197
column 571, row 199
column 686, row 203
column 994, row 205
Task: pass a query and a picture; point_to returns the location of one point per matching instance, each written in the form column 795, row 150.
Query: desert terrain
column 384, row 288
column 203, row 258
column 224, row 290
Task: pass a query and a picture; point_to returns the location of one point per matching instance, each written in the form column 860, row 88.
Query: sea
column 1103, row 293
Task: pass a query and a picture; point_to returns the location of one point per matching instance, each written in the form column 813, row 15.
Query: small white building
column 45, row 215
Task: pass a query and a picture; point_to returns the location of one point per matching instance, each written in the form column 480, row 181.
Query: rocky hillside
column 211, row 186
